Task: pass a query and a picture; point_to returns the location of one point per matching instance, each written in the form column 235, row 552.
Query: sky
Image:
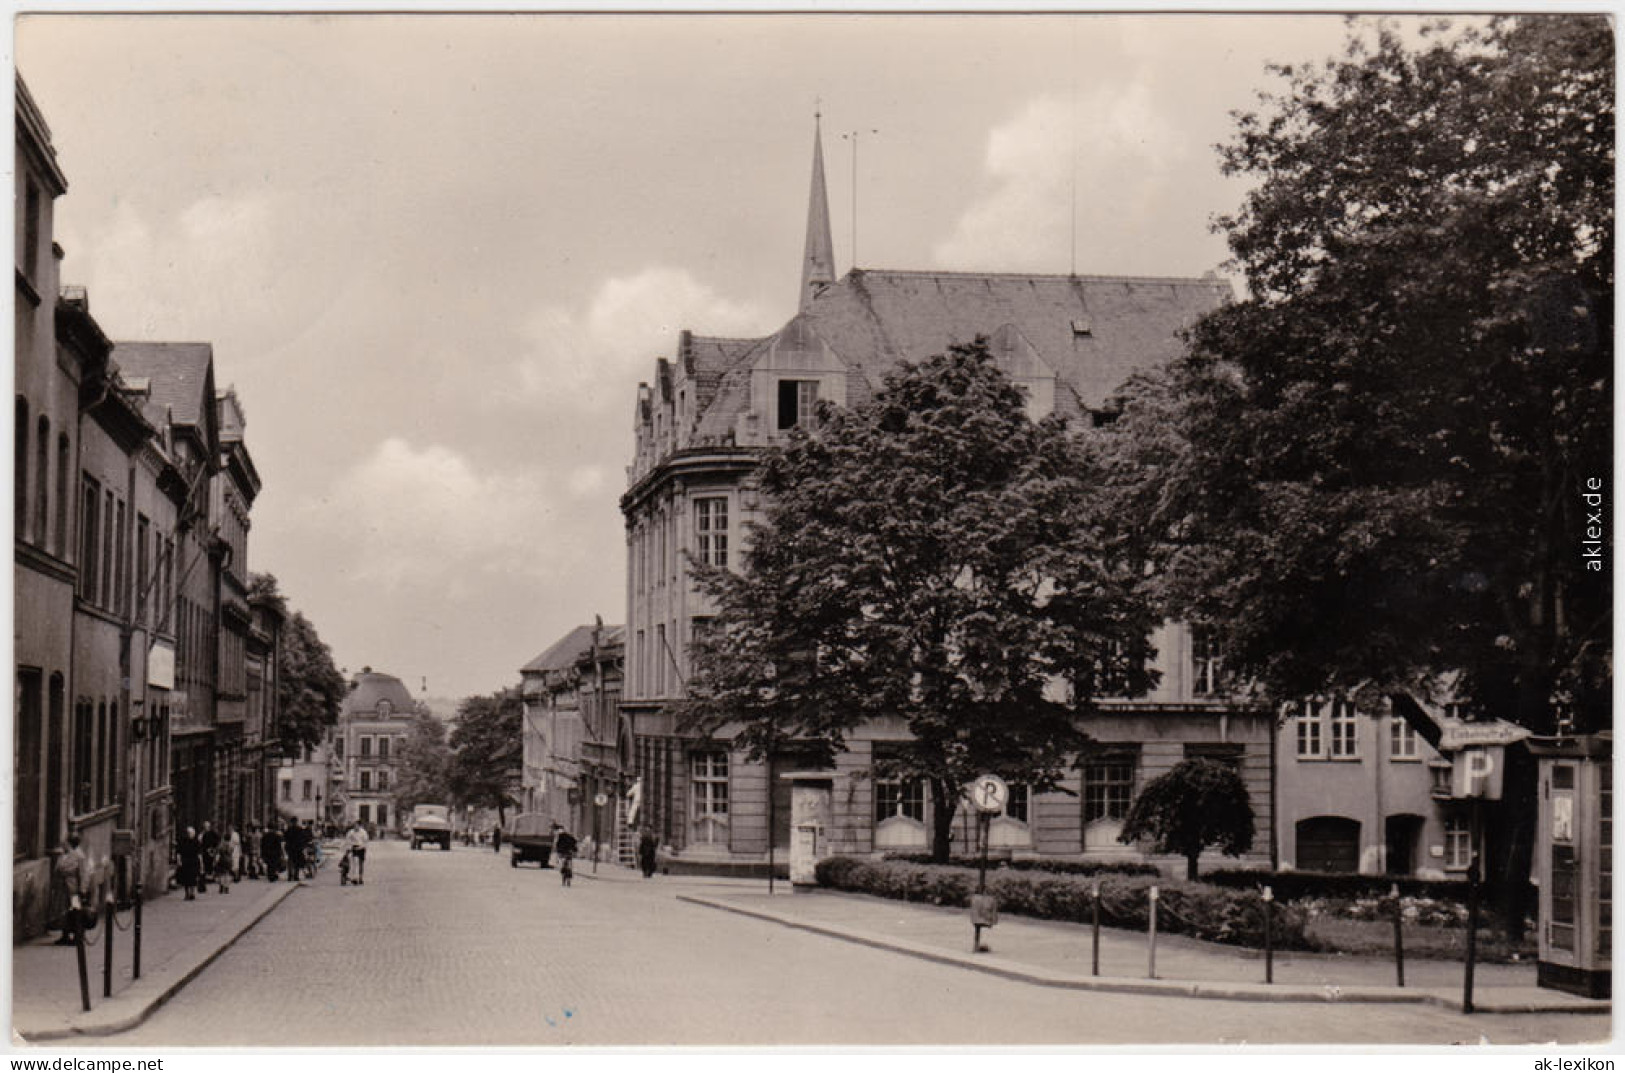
column 436, row 254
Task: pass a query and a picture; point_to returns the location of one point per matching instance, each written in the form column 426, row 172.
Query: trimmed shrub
column 1075, row 868
column 1198, row 909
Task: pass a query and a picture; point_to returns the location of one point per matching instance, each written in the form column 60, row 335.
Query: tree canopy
column 1373, row 470
column 487, row 751
column 932, row 557
column 424, row 772
column 310, row 688
column 1195, row 804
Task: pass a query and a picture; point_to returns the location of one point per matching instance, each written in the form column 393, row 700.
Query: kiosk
column 1574, row 863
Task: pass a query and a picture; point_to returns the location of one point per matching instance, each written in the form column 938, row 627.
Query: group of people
column 282, row 849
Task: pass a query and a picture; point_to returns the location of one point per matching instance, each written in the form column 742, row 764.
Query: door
column 1328, row 844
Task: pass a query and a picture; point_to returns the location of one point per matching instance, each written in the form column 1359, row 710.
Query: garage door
column 1328, row 844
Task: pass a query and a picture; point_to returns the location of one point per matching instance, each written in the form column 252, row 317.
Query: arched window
column 62, row 452
column 19, row 477
column 42, row 486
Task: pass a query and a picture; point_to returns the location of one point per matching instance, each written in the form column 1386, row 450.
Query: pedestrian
column 190, row 852
column 69, row 875
column 209, row 842
column 231, row 859
column 293, row 844
column 271, row 851
column 496, row 838
column 251, row 851
column 647, row 845
column 564, row 845
column 356, row 840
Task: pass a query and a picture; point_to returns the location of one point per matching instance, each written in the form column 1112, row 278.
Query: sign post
column 989, row 794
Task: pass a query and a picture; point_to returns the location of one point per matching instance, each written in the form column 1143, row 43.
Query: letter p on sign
column 1476, row 772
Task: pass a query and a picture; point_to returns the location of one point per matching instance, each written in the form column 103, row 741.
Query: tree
column 933, row 557
column 1194, row 805
column 1371, row 474
column 486, row 744
column 310, row 688
column 424, row 775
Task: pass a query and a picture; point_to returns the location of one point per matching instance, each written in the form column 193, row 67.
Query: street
column 460, row 949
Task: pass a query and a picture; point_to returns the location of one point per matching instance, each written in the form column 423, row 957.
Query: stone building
column 1070, row 342
column 374, row 722
column 577, row 746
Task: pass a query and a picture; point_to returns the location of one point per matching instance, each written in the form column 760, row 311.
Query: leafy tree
column 1370, row 474
column 485, row 764
column 310, row 688
column 1194, row 805
column 424, row 774
column 932, row 558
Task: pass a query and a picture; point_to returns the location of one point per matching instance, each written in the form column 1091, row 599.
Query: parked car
column 530, row 839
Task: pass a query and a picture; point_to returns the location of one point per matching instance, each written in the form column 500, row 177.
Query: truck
column 431, row 823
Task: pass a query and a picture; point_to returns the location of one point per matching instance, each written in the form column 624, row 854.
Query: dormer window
column 798, row 400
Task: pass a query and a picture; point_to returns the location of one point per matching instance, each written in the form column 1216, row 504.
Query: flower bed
column 1195, row 909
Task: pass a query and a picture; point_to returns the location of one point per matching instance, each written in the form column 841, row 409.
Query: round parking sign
column 989, row 793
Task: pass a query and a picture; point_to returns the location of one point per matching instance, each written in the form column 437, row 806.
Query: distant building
column 1070, row 342
column 576, row 746
column 374, row 722
column 304, row 782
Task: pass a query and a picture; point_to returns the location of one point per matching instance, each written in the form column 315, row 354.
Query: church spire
column 818, row 264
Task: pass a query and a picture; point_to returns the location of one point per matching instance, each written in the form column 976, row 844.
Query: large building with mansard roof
column 1070, row 342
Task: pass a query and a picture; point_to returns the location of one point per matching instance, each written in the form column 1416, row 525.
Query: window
column 30, row 784
column 1207, row 677
column 31, row 231
column 363, row 813
column 143, row 567
column 105, row 591
column 19, row 470
column 798, row 400
column 1401, row 739
column 42, row 502
column 84, row 728
column 383, row 780
column 1115, row 666
column 900, row 797
column 1019, row 807
column 60, row 546
column 1108, row 786
column 305, row 791
column 287, row 789
column 1345, row 729
column 383, row 748
column 1308, row 724
column 366, row 781
column 121, row 563
column 660, row 659
column 383, row 814
column 710, row 797
column 338, row 748
column 366, row 746
column 1458, row 843
column 711, row 528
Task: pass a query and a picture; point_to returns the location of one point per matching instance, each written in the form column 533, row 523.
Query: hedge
column 1075, row 868
column 1205, row 912
column 1292, row 886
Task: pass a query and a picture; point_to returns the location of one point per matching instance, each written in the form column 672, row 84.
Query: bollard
column 135, row 951
column 1472, row 931
column 1269, row 941
column 1399, row 935
column 107, row 941
column 1152, row 934
column 79, row 943
column 1095, row 912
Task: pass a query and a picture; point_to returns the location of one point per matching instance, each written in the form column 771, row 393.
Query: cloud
column 1115, row 157
column 423, row 517
column 595, row 355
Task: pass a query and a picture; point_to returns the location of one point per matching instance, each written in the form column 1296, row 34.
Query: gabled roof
column 181, row 375
column 567, row 650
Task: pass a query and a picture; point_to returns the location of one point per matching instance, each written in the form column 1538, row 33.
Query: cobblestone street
column 461, row 949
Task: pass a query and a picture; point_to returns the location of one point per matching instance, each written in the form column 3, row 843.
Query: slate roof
column 1094, row 331
column 372, row 687
column 178, row 372
column 567, row 650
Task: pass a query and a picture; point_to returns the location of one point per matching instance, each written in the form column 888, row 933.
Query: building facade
column 1069, row 342
column 374, row 722
column 577, row 747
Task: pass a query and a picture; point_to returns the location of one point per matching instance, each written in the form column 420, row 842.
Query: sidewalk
column 1059, row 954
column 178, row 939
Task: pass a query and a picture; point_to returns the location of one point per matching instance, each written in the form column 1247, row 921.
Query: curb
column 1166, row 988
column 200, row 956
